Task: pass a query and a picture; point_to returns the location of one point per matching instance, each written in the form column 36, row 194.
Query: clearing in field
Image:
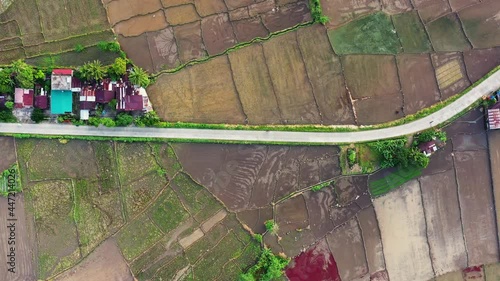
column 418, row 82
column 372, row 34
column 411, row 33
column 374, row 86
column 446, row 34
column 481, row 22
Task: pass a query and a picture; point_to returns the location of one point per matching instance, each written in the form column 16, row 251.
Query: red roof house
column 427, row 148
column 23, row 97
column 63, row 72
column 41, row 102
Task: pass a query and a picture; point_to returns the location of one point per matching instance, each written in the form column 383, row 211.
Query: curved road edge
column 488, row 86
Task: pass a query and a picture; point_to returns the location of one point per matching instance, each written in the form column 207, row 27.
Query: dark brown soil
column 481, row 61
column 286, row 16
column 430, row 10
column 189, row 41
column 480, row 23
column 163, row 48
column 217, row 33
column 418, row 82
column 7, row 153
column 130, row 45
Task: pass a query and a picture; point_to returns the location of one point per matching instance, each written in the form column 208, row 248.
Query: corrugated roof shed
column 41, row 102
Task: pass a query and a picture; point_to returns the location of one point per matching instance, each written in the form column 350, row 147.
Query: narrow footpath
column 488, row 86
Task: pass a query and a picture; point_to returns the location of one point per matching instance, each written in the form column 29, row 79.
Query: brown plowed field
column 341, row 11
column 204, row 93
column 476, row 199
column 494, row 151
column 374, row 85
column 396, row 6
column 481, row 61
column 430, row 10
column 481, row 23
column 325, row 73
column 7, row 153
column 418, row 82
column 24, row 239
column 444, row 230
column 284, row 61
column 368, row 224
column 211, row 25
column 104, row 264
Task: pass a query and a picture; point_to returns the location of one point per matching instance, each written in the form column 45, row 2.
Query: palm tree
column 139, row 76
column 93, row 71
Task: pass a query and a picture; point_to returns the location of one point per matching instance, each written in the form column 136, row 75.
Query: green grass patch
column 106, row 165
column 199, row 201
column 73, row 58
column 373, row 34
column 366, row 160
column 168, row 212
column 137, row 236
column 394, row 179
column 147, row 258
column 320, row 186
column 10, row 181
column 206, row 243
column 446, row 34
column 412, row 33
column 169, row 271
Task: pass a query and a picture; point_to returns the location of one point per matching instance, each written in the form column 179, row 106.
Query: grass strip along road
column 486, row 87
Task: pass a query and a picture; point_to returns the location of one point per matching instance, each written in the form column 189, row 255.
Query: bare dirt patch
column 418, row 82
column 396, row 6
column 368, row 224
column 430, row 10
column 373, row 82
column 141, row 24
column 163, row 48
column 25, row 241
column 476, row 205
column 346, row 244
column 7, row 153
column 401, row 219
column 189, row 41
column 325, row 73
column 444, row 226
column 450, row 73
column 494, row 152
column 104, row 264
column 204, row 93
column 130, row 45
column 481, row 61
column 119, row 10
column 295, row 96
column 340, row 11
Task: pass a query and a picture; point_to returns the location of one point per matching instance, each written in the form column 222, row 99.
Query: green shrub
column 268, row 267
column 320, row 186
column 258, row 237
column 351, row 156
column 9, row 105
column 271, row 226
column 79, row 48
column 395, row 153
column 109, row 46
column 124, row 119
column 37, row 115
column 108, row 122
column 7, row 116
column 317, row 12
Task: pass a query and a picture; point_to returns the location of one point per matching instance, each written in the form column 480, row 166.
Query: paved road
column 488, row 86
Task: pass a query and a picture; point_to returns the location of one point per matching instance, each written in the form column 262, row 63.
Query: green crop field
column 446, row 34
column 392, row 180
column 412, row 33
column 373, row 34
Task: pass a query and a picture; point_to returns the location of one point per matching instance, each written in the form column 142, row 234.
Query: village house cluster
column 70, row 95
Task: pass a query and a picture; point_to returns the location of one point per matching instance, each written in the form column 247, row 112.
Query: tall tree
column 92, row 71
column 23, row 74
column 139, row 76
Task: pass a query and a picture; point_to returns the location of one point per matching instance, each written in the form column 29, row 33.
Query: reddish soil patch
column 104, row 264
column 373, row 83
column 7, row 153
column 316, row 264
column 418, row 82
column 25, row 244
column 341, row 11
column 473, row 273
column 450, row 73
column 480, row 62
column 480, row 23
column 130, row 45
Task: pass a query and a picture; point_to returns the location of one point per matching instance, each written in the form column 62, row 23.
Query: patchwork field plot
column 450, row 73
column 418, row 82
column 7, row 153
column 51, row 27
column 446, row 34
column 340, row 11
column 481, row 22
column 411, row 33
column 373, row 34
column 430, row 10
column 180, row 31
column 480, row 61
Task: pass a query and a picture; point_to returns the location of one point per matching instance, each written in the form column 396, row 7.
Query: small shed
column 428, row 148
column 41, row 102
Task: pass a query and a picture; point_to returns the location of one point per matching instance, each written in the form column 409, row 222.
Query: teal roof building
column 61, row 101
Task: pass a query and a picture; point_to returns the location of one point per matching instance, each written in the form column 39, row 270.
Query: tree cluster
column 395, row 152
column 94, row 71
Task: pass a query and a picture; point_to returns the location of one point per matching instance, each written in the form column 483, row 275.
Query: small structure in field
column 23, row 98
column 428, row 148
